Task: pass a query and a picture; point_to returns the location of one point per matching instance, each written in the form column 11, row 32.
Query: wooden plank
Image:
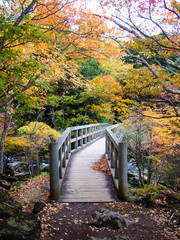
column 83, row 184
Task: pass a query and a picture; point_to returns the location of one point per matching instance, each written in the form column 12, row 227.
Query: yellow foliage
column 104, row 110
column 107, row 95
column 118, row 69
column 38, row 131
column 165, row 136
column 38, row 135
column 141, row 82
column 14, row 145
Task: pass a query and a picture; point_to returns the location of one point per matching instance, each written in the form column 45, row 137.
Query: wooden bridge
column 72, row 156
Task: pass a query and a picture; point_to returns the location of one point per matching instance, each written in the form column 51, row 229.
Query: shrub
column 38, row 135
column 14, row 145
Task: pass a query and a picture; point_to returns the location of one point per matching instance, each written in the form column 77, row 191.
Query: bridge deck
column 82, row 183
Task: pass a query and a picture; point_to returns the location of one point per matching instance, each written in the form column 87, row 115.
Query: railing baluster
column 88, row 138
column 69, row 146
column 109, row 149
column 81, row 135
column 106, row 142
column 85, row 132
column 116, row 163
column 60, row 162
column 64, row 155
column 90, row 132
column 76, row 136
column 112, row 155
column 66, row 148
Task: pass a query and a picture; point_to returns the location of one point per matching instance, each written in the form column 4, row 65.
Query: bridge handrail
column 71, row 140
column 116, row 155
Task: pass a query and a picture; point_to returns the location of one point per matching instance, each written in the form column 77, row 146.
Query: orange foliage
column 106, row 93
column 75, row 31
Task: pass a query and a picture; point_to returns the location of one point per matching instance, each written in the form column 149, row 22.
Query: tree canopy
column 64, row 64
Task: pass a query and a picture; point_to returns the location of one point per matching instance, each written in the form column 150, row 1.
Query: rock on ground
column 106, row 218
column 15, row 224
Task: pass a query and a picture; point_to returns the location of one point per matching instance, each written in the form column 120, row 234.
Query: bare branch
column 24, row 13
column 167, row 89
column 173, row 64
column 171, row 10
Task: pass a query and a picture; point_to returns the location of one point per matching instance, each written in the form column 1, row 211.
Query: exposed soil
column 72, row 222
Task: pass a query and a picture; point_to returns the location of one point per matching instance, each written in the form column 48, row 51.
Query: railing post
column 112, row 155
column 85, row 132
column 67, row 147
column 54, row 171
column 109, row 149
column 60, row 162
column 122, row 176
column 64, row 155
column 76, row 142
column 106, row 146
column 88, row 139
column 90, row 132
column 116, row 163
column 81, row 134
column 69, row 139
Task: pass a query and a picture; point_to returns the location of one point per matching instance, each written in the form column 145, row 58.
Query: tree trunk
column 3, row 136
column 7, row 121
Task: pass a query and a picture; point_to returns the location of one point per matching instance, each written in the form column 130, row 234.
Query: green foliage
column 154, row 195
column 147, row 188
column 91, row 69
column 15, row 66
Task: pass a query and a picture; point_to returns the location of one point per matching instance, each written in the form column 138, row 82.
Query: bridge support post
column 122, row 175
column 54, row 171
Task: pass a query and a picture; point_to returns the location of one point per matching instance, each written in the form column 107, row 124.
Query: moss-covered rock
column 25, row 226
column 4, row 195
column 15, row 224
column 8, row 206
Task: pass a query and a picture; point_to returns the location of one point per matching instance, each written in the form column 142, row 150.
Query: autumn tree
column 104, row 99
column 91, row 68
column 39, row 42
column 38, row 135
column 118, row 69
column 151, row 33
column 26, row 67
column 153, row 147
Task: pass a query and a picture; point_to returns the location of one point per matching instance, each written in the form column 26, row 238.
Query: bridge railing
column 116, row 155
column 70, row 141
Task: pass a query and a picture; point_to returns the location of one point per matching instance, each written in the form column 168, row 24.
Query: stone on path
column 106, row 218
column 38, row 206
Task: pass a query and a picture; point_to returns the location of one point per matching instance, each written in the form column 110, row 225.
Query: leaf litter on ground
column 37, row 189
